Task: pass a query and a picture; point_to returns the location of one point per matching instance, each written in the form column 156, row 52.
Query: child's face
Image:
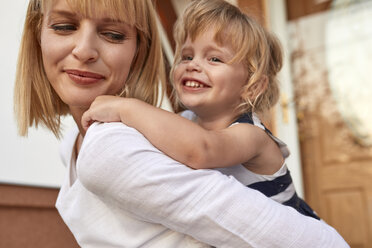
column 204, row 81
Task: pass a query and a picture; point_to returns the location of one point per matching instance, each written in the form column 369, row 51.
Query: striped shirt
column 278, row 186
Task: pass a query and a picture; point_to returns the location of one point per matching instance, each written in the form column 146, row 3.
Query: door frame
column 285, row 118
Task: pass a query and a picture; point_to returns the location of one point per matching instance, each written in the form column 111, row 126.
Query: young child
column 224, row 74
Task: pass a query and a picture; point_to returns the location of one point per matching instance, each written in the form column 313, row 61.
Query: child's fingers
column 86, row 120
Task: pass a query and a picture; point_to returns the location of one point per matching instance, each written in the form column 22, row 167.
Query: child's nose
column 193, row 65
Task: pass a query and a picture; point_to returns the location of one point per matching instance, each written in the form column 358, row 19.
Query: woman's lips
column 84, row 77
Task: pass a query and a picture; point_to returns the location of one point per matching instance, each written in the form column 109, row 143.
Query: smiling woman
column 123, row 25
column 85, row 57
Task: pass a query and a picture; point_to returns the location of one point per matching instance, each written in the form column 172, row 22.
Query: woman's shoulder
column 100, row 129
column 111, row 135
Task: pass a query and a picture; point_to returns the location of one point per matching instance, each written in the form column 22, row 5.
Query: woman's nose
column 85, row 48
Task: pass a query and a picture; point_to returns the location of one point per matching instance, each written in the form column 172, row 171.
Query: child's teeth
column 194, row 84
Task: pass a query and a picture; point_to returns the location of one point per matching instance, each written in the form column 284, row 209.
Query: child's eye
column 215, row 59
column 114, row 36
column 63, row 27
column 187, row 57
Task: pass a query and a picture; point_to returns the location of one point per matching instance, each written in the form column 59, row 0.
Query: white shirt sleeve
column 120, row 166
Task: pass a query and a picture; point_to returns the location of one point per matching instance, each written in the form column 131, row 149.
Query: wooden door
column 337, row 166
column 337, row 175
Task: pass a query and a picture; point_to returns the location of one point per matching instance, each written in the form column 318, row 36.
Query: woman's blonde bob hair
column 258, row 49
column 36, row 102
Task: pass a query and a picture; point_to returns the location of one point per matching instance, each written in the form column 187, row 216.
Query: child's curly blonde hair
column 257, row 48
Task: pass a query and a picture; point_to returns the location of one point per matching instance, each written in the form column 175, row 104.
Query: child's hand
column 103, row 109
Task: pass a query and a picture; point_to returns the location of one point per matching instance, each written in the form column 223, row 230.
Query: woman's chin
column 79, row 105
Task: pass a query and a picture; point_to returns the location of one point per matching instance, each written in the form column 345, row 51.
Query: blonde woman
column 119, row 190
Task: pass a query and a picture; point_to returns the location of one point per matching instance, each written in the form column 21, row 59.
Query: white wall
column 33, row 160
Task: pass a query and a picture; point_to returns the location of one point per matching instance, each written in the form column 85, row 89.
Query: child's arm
column 178, row 137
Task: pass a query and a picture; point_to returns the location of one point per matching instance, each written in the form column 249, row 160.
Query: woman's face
column 85, row 57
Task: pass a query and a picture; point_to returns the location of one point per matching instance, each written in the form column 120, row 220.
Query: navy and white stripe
column 278, row 186
column 253, row 119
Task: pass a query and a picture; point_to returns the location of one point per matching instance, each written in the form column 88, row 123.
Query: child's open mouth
column 194, row 84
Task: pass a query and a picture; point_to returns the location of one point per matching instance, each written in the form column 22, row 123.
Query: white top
column 97, row 224
column 124, row 185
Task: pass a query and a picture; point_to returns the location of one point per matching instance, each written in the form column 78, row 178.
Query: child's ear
column 257, row 88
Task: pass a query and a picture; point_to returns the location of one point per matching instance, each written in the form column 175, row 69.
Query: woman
column 128, row 194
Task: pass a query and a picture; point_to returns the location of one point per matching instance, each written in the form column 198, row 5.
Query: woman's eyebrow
column 73, row 14
column 68, row 14
column 112, row 20
column 63, row 13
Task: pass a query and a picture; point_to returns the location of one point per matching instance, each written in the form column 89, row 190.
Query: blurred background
column 324, row 115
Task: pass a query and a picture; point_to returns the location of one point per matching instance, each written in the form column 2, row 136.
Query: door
column 333, row 97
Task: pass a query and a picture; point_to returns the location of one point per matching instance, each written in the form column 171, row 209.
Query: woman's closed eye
column 63, row 28
column 113, row 36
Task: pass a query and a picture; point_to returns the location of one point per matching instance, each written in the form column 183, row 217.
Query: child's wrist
column 126, row 106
